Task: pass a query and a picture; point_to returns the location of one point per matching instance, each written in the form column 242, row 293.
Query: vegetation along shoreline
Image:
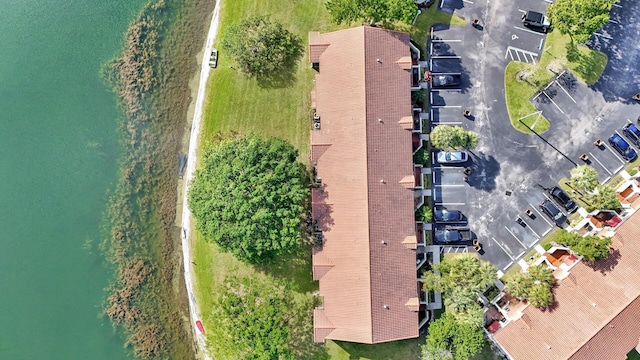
column 151, row 79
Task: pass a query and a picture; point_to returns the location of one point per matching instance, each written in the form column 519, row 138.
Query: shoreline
column 194, row 139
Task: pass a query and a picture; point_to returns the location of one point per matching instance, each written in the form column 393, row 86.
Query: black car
column 448, row 216
column 552, row 211
column 632, row 133
column 452, row 235
column 445, row 80
column 563, row 199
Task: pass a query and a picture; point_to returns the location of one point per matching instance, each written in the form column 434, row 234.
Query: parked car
column 552, row 211
column 452, row 235
column 448, row 216
column 537, row 20
column 563, row 199
column 623, row 147
column 632, row 133
column 452, row 157
column 445, row 80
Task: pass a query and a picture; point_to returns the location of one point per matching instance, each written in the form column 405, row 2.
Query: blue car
column 623, row 147
column 632, row 133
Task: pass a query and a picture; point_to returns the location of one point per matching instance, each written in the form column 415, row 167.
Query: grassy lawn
column 633, row 355
column 405, row 349
column 559, row 52
column 429, row 17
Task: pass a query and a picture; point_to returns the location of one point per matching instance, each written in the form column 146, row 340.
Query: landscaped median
column 523, row 80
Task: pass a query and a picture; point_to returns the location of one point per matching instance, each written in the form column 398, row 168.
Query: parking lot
column 510, row 171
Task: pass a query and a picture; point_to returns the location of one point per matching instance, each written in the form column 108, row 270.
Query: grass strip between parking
column 559, row 52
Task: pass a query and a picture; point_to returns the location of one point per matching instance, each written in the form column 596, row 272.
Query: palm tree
column 584, row 177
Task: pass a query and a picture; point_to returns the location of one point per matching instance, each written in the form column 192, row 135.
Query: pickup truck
column 449, row 235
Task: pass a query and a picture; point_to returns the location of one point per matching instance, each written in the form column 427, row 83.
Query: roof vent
column 549, row 347
column 386, row 307
column 594, row 304
column 382, row 181
column 383, row 242
column 378, row 60
column 380, row 121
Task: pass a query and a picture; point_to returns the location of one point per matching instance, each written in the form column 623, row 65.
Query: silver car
column 452, row 157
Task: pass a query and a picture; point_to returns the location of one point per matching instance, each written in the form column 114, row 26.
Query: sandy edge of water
column 194, row 310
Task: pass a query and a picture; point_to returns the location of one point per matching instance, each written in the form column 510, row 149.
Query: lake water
column 58, row 159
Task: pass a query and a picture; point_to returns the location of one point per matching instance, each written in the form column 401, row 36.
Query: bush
column 547, row 246
column 534, row 285
column 424, row 214
column 633, row 171
column 422, row 157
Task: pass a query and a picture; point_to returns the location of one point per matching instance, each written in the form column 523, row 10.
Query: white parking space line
column 449, row 185
column 529, row 31
column 506, row 267
column 530, row 228
column 450, row 122
column 598, row 161
column 566, row 92
column 446, row 57
column 441, row 40
column 467, row 1
column 515, row 237
column 546, row 232
column 541, row 216
column 554, row 103
column 503, row 249
column 451, row 204
column 603, row 35
column 617, row 5
column 445, row 106
column 517, row 51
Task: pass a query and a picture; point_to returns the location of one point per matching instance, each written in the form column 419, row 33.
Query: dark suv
column 563, row 199
column 552, row 211
column 623, row 147
column 632, row 133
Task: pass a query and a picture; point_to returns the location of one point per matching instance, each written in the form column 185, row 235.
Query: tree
column 591, row 248
column 424, row 214
column 421, row 157
column 580, row 18
column 462, row 279
column 453, row 138
column 449, row 339
column 584, row 178
column 261, row 47
column 373, row 11
column 604, row 198
column 534, row 285
column 251, row 320
column 249, row 197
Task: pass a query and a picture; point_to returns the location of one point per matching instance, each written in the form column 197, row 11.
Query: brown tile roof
column 592, row 299
column 362, row 154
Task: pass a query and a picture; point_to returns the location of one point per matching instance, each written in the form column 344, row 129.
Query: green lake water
column 58, row 160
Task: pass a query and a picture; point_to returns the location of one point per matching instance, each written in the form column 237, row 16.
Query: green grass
column 241, row 104
column 585, row 63
column 633, row 355
column 400, row 350
column 421, row 30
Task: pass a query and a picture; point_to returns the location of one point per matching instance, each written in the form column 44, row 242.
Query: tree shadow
column 402, row 349
column 484, row 171
column 605, row 265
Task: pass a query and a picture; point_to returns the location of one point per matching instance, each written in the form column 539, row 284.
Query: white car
column 452, row 157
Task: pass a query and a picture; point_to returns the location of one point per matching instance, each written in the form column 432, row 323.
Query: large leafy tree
column 449, row 339
column 584, row 178
column 448, row 137
column 251, row 320
column 534, row 285
column 591, row 248
column 462, row 279
column 605, row 198
column 261, row 47
column 346, row 11
column 249, row 197
column 580, row 18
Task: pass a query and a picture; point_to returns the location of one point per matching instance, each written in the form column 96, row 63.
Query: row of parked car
column 552, row 208
column 617, row 142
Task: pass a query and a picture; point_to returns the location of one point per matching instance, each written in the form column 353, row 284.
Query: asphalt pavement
column 509, row 169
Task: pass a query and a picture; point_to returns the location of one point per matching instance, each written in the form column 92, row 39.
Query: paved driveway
column 509, row 168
